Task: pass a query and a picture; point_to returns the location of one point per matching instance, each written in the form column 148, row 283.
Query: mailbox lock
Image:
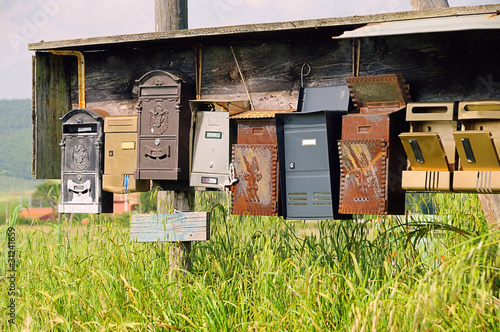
column 211, row 164
column 292, row 165
column 157, row 141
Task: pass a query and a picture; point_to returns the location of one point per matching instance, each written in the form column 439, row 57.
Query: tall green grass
column 397, row 273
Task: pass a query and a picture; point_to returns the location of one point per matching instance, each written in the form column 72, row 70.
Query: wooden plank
column 170, row 227
column 271, row 29
column 51, row 101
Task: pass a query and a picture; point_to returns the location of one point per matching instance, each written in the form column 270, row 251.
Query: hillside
column 15, row 135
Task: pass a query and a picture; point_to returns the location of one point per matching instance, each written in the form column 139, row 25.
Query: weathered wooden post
column 173, row 15
column 428, row 4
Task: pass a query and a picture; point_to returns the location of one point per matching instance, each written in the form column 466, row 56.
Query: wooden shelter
column 444, row 54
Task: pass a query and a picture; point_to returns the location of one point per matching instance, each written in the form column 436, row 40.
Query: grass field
column 258, row 273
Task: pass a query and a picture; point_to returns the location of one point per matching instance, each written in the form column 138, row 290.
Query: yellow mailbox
column 430, row 146
column 120, row 155
column 478, row 146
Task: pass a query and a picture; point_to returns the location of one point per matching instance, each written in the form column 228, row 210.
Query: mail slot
column 429, row 146
column 82, row 163
column 255, row 161
column 212, row 139
column 371, row 154
column 309, row 165
column 478, row 147
column 164, row 121
column 120, row 155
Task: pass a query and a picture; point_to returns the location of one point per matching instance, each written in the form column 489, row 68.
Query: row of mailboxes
column 332, row 159
column 453, row 147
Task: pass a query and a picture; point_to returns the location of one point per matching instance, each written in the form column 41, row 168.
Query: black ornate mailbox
column 82, row 163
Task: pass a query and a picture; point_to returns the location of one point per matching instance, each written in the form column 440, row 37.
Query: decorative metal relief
column 363, row 166
column 256, row 168
column 158, row 119
column 80, row 155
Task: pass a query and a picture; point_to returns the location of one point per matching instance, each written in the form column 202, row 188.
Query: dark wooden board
column 50, row 102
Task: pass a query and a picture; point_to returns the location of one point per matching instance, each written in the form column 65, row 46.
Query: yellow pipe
column 81, row 74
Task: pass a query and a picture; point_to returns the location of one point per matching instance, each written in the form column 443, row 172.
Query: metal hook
column 302, row 75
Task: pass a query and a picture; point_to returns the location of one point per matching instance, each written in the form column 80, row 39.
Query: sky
column 28, row 21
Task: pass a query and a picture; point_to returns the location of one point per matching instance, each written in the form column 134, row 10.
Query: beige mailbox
column 478, row 147
column 120, row 155
column 211, row 141
column 430, row 146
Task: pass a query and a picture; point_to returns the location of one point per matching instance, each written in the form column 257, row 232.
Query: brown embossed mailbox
column 478, row 147
column 164, row 125
column 371, row 154
column 120, row 155
column 429, row 146
column 255, row 160
column 82, row 163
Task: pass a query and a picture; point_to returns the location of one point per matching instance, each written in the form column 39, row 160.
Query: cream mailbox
column 82, row 163
column 429, row 146
column 164, row 125
column 211, row 136
column 478, row 147
column 120, row 155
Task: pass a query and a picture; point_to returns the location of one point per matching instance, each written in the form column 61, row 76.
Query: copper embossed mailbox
column 120, row 155
column 478, row 147
column 255, row 160
column 164, row 125
column 429, row 146
column 82, row 163
column 212, row 139
column 371, row 154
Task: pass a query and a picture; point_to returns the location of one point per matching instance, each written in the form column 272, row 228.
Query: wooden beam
column 170, row 227
column 287, row 29
column 171, row 15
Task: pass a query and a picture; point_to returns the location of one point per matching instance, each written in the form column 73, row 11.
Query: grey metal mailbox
column 212, row 139
column 309, row 164
column 164, row 125
column 82, row 163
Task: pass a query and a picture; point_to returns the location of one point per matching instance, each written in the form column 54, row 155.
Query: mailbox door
column 364, row 175
column 211, row 143
column 307, row 171
column 256, row 192
column 120, row 153
column 158, row 158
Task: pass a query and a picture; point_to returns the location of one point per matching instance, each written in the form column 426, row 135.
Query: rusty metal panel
column 363, row 168
column 366, row 126
column 82, row 163
column 379, row 93
column 256, row 192
column 371, row 128
column 164, row 121
column 256, row 131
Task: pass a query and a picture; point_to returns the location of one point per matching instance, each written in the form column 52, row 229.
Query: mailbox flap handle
column 158, row 154
column 79, row 188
